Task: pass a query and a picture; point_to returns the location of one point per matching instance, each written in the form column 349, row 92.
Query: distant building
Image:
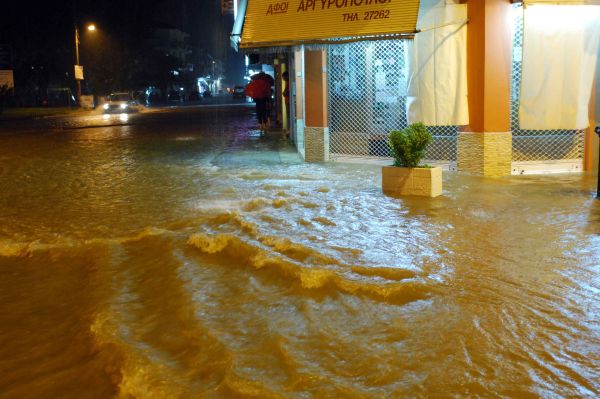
column 172, row 41
column 209, row 71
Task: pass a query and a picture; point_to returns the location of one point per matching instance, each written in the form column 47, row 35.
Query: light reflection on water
column 197, row 264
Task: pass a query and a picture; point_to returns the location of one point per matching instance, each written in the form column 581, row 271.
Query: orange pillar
column 316, row 132
column 485, row 145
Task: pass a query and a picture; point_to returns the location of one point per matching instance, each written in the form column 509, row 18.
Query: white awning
column 236, row 32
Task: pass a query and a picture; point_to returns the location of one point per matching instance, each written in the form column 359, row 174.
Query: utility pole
column 78, row 70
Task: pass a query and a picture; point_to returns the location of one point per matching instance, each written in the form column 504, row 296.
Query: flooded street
column 184, row 255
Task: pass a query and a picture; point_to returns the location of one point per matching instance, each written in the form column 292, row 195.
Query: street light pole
column 91, row 28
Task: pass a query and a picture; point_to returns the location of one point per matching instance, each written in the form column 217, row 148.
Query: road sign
column 78, row 72
column 7, row 78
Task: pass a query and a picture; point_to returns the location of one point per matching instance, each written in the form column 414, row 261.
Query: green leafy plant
column 408, row 145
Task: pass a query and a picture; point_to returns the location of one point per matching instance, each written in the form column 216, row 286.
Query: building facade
column 462, row 67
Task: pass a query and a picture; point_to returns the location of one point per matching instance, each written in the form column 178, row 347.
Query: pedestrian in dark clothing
column 262, row 112
column 259, row 89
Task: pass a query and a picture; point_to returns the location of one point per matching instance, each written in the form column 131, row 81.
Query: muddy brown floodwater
column 193, row 258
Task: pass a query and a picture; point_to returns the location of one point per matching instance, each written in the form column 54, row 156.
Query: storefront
column 359, row 69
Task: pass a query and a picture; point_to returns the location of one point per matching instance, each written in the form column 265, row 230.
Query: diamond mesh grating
column 367, row 98
column 536, row 145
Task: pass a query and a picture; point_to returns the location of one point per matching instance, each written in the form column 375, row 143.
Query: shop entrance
column 367, row 99
column 539, row 151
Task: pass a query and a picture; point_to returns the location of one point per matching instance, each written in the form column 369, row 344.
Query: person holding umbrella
column 259, row 89
column 264, row 76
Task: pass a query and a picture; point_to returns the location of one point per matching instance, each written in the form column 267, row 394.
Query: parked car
column 120, row 103
column 239, row 92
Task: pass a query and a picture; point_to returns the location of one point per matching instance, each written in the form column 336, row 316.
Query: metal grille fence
column 367, row 100
column 537, row 145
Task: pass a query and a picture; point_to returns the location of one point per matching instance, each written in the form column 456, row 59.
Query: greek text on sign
column 278, row 8
column 311, row 5
column 270, row 22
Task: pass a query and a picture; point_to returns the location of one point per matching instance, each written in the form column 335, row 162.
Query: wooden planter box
column 425, row 182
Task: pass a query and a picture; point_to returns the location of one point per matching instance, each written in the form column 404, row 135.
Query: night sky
column 41, row 33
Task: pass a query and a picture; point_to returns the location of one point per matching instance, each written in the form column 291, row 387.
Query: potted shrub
column 406, row 177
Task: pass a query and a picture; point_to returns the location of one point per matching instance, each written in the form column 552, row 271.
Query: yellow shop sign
column 280, row 23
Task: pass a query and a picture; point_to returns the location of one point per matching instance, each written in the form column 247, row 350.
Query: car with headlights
column 120, row 103
column 239, row 92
